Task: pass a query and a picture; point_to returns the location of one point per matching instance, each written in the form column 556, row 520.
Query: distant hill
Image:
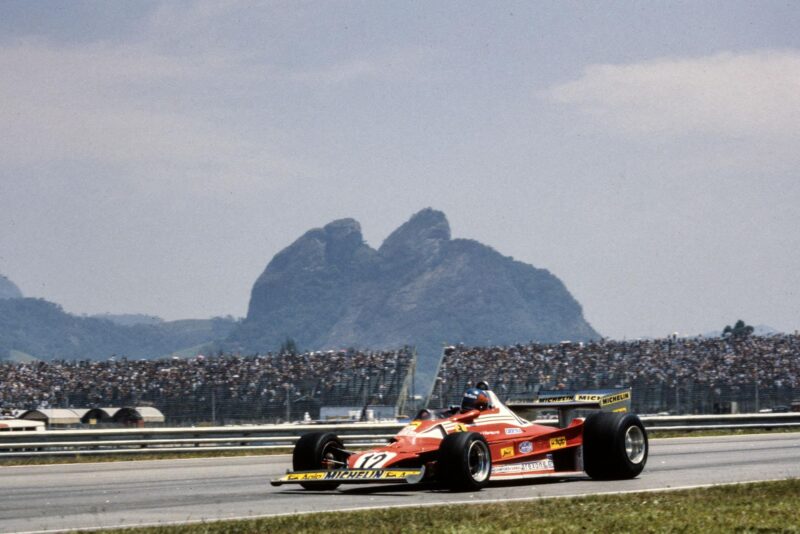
column 42, row 330
column 129, row 319
column 329, row 289
column 8, row 289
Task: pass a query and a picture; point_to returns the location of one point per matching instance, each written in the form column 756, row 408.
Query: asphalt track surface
column 116, row 494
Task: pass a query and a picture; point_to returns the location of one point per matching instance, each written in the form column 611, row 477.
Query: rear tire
column 465, row 462
column 615, row 446
column 315, row 451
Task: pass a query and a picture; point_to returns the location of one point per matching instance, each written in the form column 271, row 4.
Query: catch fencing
column 266, row 437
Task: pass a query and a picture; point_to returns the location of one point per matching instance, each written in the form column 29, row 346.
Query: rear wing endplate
column 568, row 402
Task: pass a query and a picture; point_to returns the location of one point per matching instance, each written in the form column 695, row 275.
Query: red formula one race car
column 484, row 440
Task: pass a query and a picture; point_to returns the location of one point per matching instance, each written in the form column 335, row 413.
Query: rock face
column 330, row 290
column 8, row 289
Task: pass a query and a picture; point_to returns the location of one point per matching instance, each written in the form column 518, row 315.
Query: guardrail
column 256, row 437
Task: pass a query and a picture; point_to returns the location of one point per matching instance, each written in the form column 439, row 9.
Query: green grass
column 756, row 507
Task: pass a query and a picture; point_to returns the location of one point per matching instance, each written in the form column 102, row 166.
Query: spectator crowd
column 684, row 375
column 680, row 375
column 223, row 388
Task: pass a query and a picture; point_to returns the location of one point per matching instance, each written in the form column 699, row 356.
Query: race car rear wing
column 568, row 402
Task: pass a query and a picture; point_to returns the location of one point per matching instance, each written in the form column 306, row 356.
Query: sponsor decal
column 620, row 410
column 410, row 429
column 613, row 399
column 372, row 460
column 538, row 465
column 460, row 427
column 490, row 432
column 525, row 447
column 558, row 443
column 566, row 398
column 294, row 477
column 603, row 399
column 506, row 452
column 368, row 474
column 352, row 474
column 513, row 431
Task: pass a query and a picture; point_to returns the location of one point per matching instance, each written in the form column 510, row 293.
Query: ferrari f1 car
column 484, row 440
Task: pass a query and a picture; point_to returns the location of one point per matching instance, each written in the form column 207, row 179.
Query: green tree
column 289, row 347
column 740, row 329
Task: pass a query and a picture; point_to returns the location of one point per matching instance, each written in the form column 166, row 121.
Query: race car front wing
column 353, row 476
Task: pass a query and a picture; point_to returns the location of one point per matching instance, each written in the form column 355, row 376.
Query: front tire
column 615, row 446
column 465, row 462
column 318, row 450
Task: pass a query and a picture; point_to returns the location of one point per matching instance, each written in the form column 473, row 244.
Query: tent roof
column 150, row 414
column 53, row 416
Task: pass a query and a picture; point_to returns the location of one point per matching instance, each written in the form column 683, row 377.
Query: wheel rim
column 479, row 461
column 329, row 460
column 635, row 444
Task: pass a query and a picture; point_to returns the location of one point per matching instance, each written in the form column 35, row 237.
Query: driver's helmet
column 474, row 399
column 424, row 415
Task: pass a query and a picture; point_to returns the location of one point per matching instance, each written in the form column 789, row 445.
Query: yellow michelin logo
column 558, row 443
column 613, row 399
column 356, row 474
column 565, row 398
column 506, row 452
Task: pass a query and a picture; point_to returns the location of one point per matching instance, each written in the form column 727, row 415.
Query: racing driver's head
column 474, row 399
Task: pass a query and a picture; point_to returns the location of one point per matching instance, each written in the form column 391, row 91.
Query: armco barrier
column 231, row 438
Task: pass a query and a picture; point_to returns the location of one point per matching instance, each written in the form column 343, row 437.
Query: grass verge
column 756, row 507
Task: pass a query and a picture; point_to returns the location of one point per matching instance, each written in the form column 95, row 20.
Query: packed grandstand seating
column 685, row 375
column 679, row 375
column 222, row 389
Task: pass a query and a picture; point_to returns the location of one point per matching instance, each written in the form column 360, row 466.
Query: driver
column 474, row 399
column 424, row 415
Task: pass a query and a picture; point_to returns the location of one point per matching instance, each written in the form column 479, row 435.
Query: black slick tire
column 615, row 446
column 464, row 462
column 313, row 452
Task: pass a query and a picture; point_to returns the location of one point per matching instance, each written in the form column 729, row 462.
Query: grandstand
column 221, row 389
column 689, row 375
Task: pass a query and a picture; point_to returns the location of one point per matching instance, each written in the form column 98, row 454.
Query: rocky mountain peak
column 8, row 289
column 343, row 229
column 330, row 290
column 423, row 234
column 343, row 240
column 338, row 242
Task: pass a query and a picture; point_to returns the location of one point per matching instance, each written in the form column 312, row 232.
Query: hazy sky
column 155, row 156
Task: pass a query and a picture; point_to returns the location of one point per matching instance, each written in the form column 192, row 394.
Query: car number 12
column 373, row 460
